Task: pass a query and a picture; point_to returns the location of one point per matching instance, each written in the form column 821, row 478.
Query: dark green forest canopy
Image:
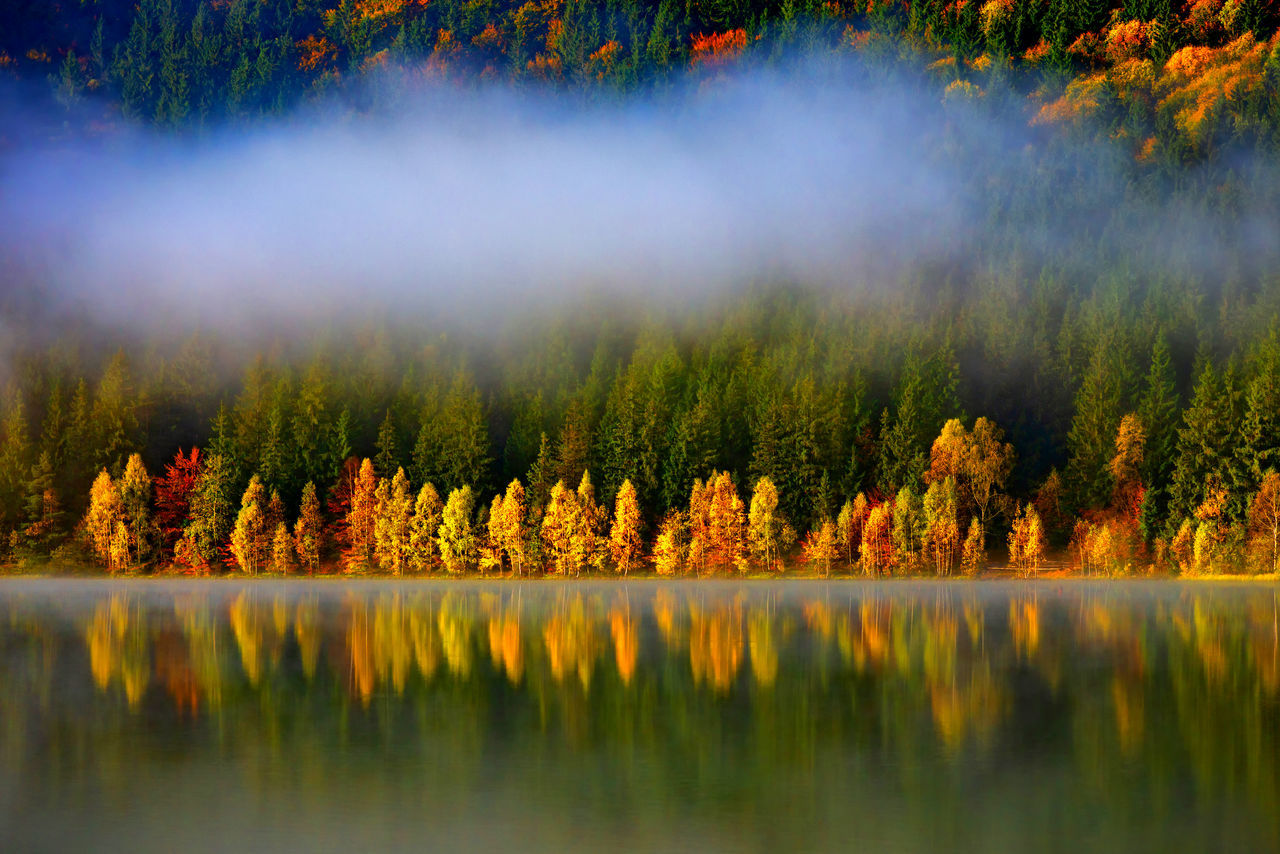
column 1040, row 242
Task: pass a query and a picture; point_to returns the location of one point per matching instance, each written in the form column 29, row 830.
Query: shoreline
column 989, row 575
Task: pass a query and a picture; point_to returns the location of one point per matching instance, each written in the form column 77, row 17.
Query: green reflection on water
column 650, row 715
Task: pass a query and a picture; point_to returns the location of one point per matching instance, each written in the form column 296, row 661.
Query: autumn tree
column 1026, row 540
column 727, row 524
column 511, row 527
column 942, row 524
column 589, row 547
column 624, row 537
column 361, row 520
column 980, row 461
column 173, row 493
column 764, row 525
column 821, row 547
column 456, row 537
column 973, row 555
column 908, row 527
column 282, row 550
column 104, row 515
column 668, row 546
column 393, row 512
column 558, row 525
column 849, row 524
column 1264, row 523
column 1126, row 466
column 308, row 530
column 250, row 538
column 424, row 528
column 877, row 552
column 135, row 501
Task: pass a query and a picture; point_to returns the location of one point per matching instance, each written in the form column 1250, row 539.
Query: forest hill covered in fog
column 617, row 287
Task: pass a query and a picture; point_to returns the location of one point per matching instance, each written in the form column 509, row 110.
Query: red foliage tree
column 173, row 495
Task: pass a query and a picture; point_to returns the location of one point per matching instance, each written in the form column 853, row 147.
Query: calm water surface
column 892, row 716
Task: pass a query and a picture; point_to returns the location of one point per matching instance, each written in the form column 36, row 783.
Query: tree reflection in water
column 1126, row 710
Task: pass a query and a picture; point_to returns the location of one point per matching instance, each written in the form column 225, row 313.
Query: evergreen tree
column 387, row 459
column 1158, row 411
column 1098, row 406
column 210, row 521
column 1206, row 442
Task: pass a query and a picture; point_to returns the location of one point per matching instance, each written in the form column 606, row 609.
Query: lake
column 646, row 716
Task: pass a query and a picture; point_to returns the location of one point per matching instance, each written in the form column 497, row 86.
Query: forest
column 1085, row 372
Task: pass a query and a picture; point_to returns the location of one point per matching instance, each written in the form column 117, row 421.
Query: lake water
column 647, row 716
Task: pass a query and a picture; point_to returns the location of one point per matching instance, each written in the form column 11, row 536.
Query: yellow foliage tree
column 392, row 516
column 624, row 536
column 456, row 537
column 1264, row 523
column 764, row 525
column 668, row 547
column 308, row 530
column 250, row 539
column 105, row 511
column 424, row 529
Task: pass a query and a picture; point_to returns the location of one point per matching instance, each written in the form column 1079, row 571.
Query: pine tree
column 210, row 520
column 1259, row 442
column 319, row 446
column 386, row 459
column 115, row 414
column 1098, row 407
column 1158, row 411
column 574, row 444
column 540, row 475
column 15, row 464
column 1205, row 443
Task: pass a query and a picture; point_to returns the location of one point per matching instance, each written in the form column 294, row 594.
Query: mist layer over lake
column 336, row 716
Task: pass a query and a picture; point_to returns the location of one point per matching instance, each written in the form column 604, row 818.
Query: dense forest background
column 1109, row 306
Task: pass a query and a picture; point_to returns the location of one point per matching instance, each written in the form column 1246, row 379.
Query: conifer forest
column 720, row 287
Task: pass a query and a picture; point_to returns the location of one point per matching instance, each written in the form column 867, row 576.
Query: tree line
column 1168, row 80
column 750, row 449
